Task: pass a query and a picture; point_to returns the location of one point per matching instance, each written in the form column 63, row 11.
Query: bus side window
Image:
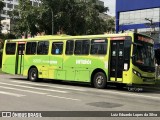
column 82, row 47
column 10, row 48
column 69, row 47
column 42, row 48
column 57, row 48
column 98, row 46
column 31, row 48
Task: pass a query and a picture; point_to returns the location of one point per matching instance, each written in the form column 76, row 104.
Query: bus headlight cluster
column 136, row 73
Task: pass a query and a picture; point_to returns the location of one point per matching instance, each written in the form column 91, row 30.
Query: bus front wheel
column 33, row 74
column 100, row 80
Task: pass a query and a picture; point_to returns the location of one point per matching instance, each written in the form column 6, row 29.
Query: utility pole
column 151, row 25
column 52, row 21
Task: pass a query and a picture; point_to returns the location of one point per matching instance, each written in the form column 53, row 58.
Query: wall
column 131, row 5
column 127, row 5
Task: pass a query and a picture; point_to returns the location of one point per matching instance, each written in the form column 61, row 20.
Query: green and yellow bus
column 124, row 59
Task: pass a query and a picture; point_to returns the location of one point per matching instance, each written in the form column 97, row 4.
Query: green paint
column 71, row 67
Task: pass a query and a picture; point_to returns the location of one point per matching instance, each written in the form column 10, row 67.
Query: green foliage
column 101, row 9
column 24, row 18
column 66, row 16
column 1, row 5
column 7, row 36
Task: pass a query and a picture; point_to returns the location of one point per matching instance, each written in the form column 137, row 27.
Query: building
column 142, row 16
column 98, row 2
column 12, row 4
column 5, row 26
column 9, row 5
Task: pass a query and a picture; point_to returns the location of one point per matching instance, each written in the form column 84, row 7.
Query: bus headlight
column 136, row 73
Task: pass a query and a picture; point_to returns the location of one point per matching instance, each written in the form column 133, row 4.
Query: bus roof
column 67, row 37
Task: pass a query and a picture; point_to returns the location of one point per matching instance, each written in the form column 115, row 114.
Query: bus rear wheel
column 100, row 80
column 33, row 75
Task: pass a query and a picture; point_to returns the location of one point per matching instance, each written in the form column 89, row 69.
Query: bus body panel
column 56, row 67
column 8, row 62
column 145, row 77
column 81, row 67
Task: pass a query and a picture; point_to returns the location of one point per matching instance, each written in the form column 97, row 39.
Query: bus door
column 20, row 58
column 116, row 60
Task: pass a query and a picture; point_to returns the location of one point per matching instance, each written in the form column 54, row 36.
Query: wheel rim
column 99, row 80
column 33, row 74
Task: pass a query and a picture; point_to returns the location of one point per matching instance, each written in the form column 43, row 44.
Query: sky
column 111, row 4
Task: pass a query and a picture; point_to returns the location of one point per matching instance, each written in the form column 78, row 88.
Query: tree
column 25, row 18
column 1, row 5
column 65, row 16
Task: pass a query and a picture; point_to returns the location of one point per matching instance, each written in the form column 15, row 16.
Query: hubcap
column 33, row 75
column 99, row 80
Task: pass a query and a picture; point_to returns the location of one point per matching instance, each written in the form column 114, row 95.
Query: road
column 19, row 94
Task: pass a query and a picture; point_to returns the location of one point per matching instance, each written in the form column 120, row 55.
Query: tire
column 100, row 80
column 33, row 75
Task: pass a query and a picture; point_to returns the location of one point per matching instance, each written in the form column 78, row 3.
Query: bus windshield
column 144, row 55
column 143, row 52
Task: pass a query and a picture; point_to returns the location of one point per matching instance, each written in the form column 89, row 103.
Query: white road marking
column 33, row 88
column 64, row 98
column 51, row 86
column 105, row 91
column 10, row 88
column 11, row 94
column 130, row 94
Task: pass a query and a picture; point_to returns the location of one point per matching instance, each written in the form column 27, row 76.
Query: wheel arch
column 96, row 71
column 33, row 66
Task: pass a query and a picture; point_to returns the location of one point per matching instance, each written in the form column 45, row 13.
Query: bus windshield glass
column 143, row 51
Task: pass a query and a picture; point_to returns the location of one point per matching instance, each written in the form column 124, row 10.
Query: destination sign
column 145, row 39
column 99, row 41
column 117, row 38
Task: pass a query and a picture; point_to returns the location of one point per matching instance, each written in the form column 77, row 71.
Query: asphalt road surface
column 75, row 100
